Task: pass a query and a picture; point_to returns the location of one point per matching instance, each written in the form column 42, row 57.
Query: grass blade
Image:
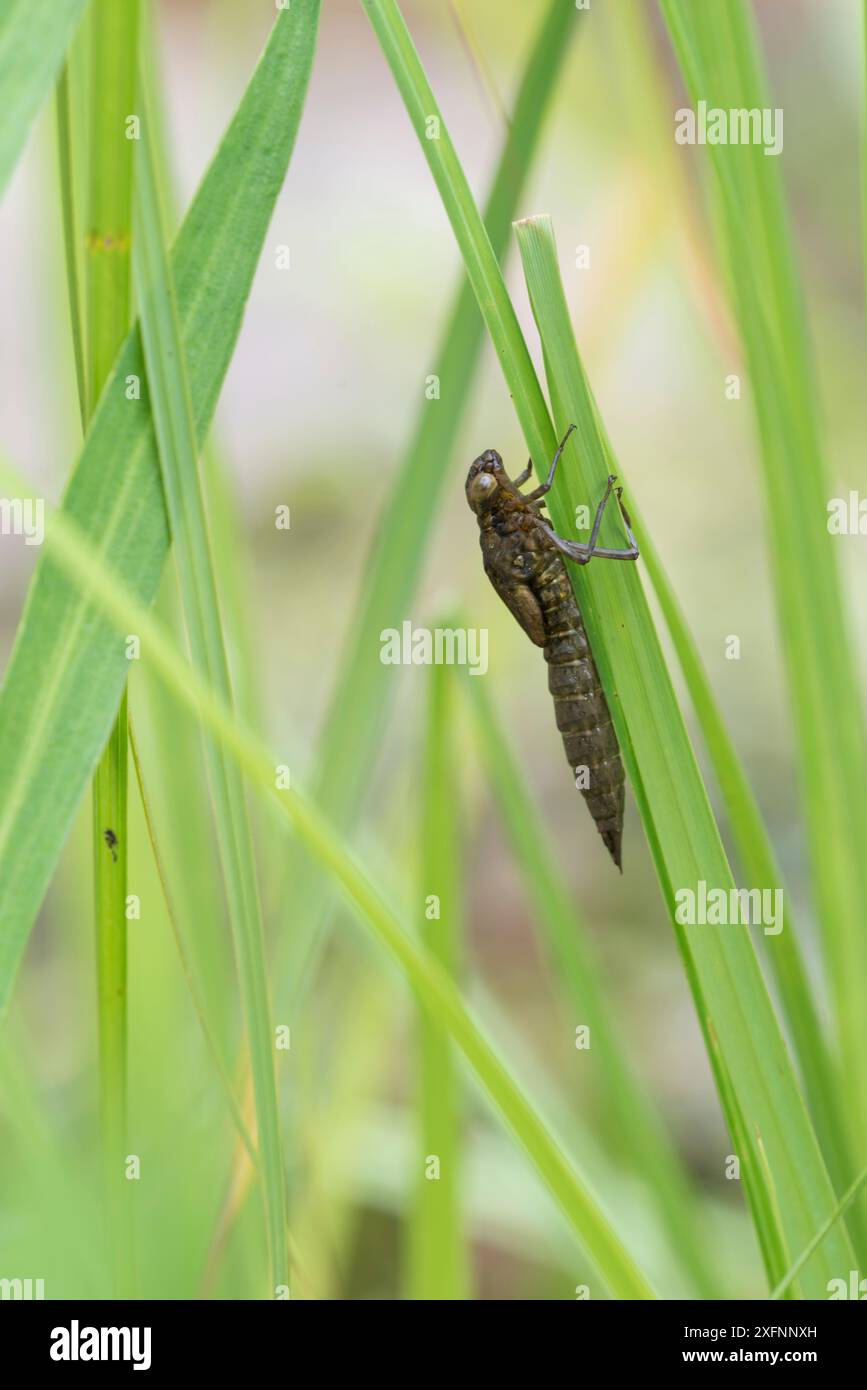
column 780, row 1160
column 632, row 1116
column 358, row 710
column 99, row 326
column 185, row 962
column 171, row 406
column 34, row 36
column 719, row 55
column 839, row 1211
column 105, row 588
column 480, row 262
column 760, row 868
column 71, row 237
column 438, row 1259
column 67, row 670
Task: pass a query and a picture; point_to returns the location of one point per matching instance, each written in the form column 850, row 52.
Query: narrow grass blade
column 183, row 956
column 71, row 237
column 864, row 141
column 438, row 1265
column 782, row 1165
column 67, row 670
column 760, row 869
column 105, row 588
column 480, row 261
column 34, row 36
column 358, row 710
column 718, row 51
column 839, row 1211
column 631, row 1116
column 169, row 394
column 112, row 31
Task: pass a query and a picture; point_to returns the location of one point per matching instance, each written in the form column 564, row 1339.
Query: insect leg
column 605, row 552
column 632, row 552
column 522, row 477
column 546, row 486
column 582, row 552
column 597, row 520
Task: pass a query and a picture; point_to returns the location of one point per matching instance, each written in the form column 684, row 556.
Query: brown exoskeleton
column 524, row 560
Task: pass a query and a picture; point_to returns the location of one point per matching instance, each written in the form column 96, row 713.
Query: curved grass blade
column 105, row 588
column 67, row 671
column 34, row 36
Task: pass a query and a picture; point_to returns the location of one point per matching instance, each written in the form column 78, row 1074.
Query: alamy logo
column 855, row 1287
column 847, row 516
column 713, row 125
column 444, row 646
column 730, row 907
column 23, row 1289
column 23, row 516
column 76, row 1343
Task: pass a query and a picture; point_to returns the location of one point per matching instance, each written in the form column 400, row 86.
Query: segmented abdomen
column 583, row 717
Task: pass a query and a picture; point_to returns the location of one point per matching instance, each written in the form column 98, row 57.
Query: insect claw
column 612, row 479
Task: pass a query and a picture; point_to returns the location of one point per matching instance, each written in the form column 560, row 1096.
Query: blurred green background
column 318, row 407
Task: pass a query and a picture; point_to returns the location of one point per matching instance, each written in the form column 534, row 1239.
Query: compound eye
column 481, row 490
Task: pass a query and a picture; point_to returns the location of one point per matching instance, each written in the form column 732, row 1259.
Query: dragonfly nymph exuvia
column 524, row 560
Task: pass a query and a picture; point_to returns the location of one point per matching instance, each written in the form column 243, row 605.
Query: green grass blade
column 864, row 142
column 480, row 261
column 632, row 1117
column 34, row 36
column 719, row 55
column 71, row 237
column 67, row 670
column 839, row 1211
column 107, row 589
column 171, row 406
column 784, row 1173
column 112, row 88
column 183, row 956
column 760, row 868
column 438, row 1266
column 358, row 709
column 112, row 31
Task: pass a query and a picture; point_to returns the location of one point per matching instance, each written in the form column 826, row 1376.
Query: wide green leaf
column 68, row 668
column 34, row 36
